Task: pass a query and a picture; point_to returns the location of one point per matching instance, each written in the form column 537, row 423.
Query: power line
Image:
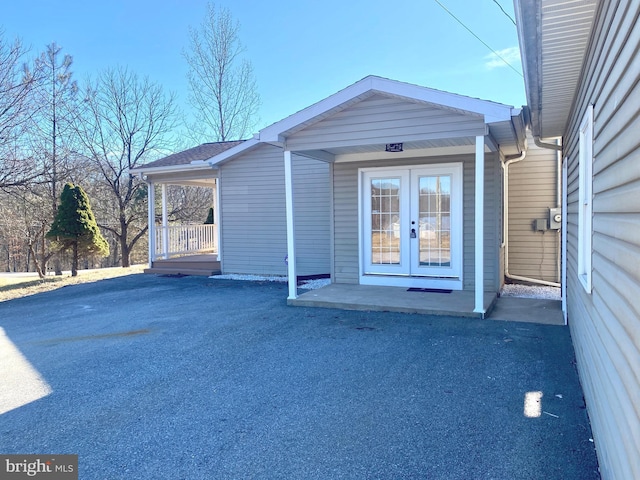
column 481, row 41
column 505, row 12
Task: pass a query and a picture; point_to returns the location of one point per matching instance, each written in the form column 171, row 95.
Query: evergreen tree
column 75, row 226
column 209, row 220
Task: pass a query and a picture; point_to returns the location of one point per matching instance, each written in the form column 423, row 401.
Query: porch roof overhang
column 554, row 36
column 195, row 166
column 197, row 175
column 503, row 125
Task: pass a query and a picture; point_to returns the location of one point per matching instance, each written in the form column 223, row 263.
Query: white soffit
column 555, row 58
column 566, row 26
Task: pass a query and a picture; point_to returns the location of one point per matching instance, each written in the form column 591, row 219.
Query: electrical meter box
column 555, row 218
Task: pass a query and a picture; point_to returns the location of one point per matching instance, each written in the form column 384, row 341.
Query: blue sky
column 302, row 51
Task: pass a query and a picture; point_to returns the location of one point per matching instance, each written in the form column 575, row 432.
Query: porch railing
column 186, row 239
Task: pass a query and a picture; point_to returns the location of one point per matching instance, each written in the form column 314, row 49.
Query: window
column 585, row 199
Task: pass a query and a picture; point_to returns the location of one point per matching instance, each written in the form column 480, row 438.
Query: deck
column 203, row 265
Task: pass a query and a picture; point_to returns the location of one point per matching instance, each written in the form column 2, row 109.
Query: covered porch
column 415, row 176
column 187, row 248
column 192, row 247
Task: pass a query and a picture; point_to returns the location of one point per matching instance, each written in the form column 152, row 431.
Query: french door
column 412, row 226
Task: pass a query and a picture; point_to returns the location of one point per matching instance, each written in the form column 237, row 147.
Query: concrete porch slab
column 392, row 299
column 456, row 303
column 532, row 310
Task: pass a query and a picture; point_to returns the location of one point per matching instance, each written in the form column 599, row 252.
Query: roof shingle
column 199, row 153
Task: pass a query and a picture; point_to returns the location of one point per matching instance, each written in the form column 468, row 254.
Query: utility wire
column 481, row 41
column 505, row 12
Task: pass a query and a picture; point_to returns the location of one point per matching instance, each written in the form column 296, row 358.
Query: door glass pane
column 435, row 220
column 385, row 221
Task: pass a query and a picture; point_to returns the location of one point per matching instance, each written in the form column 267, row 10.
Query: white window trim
column 585, row 199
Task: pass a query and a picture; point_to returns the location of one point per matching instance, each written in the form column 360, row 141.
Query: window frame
column 585, row 200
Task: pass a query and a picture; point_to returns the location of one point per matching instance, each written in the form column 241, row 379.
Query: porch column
column 291, row 244
column 216, row 216
column 479, row 227
column 165, row 223
column 151, row 221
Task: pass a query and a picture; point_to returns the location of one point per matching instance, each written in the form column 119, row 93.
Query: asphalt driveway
column 192, row 378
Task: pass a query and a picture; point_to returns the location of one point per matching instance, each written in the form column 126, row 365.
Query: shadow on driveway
column 192, row 378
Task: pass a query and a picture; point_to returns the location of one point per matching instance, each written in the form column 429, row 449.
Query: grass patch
column 21, row 286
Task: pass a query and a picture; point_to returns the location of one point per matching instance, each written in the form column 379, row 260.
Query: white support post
column 151, row 220
column 165, row 223
column 291, row 244
column 216, row 216
column 479, row 227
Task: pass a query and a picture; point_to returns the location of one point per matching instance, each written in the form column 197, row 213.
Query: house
column 582, row 75
column 383, row 183
column 248, row 235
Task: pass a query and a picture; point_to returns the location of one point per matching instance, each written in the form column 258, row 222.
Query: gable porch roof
column 504, row 123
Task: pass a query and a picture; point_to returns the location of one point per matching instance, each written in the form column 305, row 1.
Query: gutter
column 549, row 146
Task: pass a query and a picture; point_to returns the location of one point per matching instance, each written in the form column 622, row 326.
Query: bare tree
column 223, row 89
column 50, row 140
column 186, row 203
column 12, row 235
column 17, row 83
column 57, row 95
column 127, row 122
column 25, row 218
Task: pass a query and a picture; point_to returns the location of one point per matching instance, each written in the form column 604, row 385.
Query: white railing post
column 158, row 241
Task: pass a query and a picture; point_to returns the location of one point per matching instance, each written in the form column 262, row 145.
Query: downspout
column 558, row 149
column 563, row 211
column 505, row 166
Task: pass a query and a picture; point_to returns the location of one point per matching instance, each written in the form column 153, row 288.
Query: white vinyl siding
column 312, row 215
column 254, row 236
column 379, row 120
column 345, row 190
column 605, row 325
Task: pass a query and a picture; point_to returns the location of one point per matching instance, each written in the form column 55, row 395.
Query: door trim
column 404, row 279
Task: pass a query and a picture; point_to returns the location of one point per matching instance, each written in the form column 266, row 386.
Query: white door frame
column 406, row 274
